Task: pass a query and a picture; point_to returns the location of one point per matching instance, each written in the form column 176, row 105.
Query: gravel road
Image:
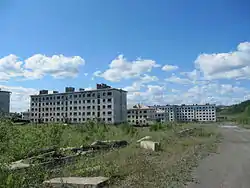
column 230, row 168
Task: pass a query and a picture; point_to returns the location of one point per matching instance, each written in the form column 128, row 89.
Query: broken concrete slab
column 108, row 144
column 18, row 165
column 79, row 182
column 36, row 152
column 190, row 131
column 146, row 144
column 50, row 158
column 144, row 138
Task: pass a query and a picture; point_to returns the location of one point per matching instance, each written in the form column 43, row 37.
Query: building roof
column 181, row 105
column 140, row 106
column 160, row 111
column 1, row 91
column 77, row 92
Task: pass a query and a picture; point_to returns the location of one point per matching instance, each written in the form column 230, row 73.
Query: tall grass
column 17, row 142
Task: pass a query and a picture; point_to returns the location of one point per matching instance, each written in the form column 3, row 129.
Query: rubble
column 189, row 132
column 50, row 157
column 144, row 138
column 110, row 143
column 18, row 165
column 79, row 182
column 146, row 144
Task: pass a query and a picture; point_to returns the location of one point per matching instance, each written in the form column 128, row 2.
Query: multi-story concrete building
column 140, row 115
column 4, row 102
column 103, row 104
column 25, row 115
column 202, row 113
column 161, row 115
column 144, row 115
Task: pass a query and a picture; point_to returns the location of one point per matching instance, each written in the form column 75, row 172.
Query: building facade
column 201, row 113
column 104, row 104
column 144, row 115
column 140, row 115
column 25, row 115
column 4, row 102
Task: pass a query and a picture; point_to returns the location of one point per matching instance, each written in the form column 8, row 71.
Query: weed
column 128, row 167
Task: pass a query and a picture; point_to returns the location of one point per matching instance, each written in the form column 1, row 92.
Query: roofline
column 77, row 92
column 180, row 105
column 5, row 91
column 140, row 109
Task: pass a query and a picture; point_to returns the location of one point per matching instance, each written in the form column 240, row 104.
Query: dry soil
column 230, row 167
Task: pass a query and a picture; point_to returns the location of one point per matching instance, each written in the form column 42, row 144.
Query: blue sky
column 162, row 52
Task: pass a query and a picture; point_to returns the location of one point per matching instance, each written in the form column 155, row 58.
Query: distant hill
column 242, row 109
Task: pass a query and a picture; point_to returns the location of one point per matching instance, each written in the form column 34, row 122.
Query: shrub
column 157, row 127
column 129, row 129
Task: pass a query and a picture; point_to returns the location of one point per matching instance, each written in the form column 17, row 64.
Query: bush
column 32, row 177
column 129, row 129
column 157, row 127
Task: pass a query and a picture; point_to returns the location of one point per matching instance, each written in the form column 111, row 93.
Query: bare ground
column 230, row 167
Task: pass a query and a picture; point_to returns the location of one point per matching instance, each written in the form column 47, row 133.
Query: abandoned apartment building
column 104, row 104
column 145, row 115
column 194, row 112
column 109, row 105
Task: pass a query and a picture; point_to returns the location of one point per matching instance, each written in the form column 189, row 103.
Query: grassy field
column 127, row 167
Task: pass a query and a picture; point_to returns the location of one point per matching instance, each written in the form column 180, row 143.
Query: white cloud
column 229, row 65
column 10, row 67
column 134, row 87
column 193, row 75
column 20, row 97
column 140, row 83
column 178, row 80
column 120, row 68
column 97, row 73
column 169, row 67
column 196, row 94
column 153, row 95
column 38, row 66
column 147, row 78
column 58, row 66
column 216, row 93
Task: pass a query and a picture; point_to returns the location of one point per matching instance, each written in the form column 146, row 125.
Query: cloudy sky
column 161, row 52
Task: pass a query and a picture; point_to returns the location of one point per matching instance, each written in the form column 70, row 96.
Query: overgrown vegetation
column 128, row 167
column 239, row 113
column 237, row 108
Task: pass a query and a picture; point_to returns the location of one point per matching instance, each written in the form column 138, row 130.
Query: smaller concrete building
column 144, row 115
column 25, row 115
column 4, row 102
column 187, row 113
column 161, row 116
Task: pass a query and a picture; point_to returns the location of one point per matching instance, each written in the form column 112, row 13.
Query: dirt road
column 230, row 168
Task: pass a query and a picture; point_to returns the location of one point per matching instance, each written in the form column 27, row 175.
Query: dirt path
column 230, row 168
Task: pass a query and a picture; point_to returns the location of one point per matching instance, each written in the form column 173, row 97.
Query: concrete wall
column 4, row 102
column 120, row 106
column 202, row 113
column 81, row 106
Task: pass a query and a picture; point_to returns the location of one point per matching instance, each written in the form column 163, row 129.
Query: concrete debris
column 144, row 138
column 40, row 151
column 189, row 132
column 67, row 149
column 18, row 165
column 50, row 157
column 109, row 144
column 79, row 182
column 146, row 144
